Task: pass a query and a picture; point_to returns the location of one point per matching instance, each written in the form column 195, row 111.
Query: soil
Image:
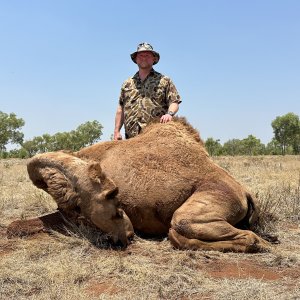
column 216, row 267
column 242, row 269
column 96, row 289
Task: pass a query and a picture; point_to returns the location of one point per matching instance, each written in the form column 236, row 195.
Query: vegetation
column 287, row 132
column 84, row 135
column 10, row 132
column 83, row 266
column 286, row 139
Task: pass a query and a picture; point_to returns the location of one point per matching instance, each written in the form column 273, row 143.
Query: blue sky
column 236, row 64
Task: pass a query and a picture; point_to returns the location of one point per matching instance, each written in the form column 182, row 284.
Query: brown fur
column 168, row 183
column 82, row 191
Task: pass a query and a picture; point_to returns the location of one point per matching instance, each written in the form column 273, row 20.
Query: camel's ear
column 51, row 172
column 96, row 175
column 95, row 172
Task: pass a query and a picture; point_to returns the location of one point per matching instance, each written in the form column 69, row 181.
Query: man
column 145, row 96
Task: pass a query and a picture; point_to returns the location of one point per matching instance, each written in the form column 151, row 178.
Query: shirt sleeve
column 172, row 94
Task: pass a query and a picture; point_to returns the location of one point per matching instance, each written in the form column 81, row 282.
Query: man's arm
column 173, row 108
column 119, row 121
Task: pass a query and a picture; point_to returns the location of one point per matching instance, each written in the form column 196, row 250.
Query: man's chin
column 145, row 66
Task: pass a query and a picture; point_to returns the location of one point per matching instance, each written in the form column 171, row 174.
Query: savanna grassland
column 82, row 266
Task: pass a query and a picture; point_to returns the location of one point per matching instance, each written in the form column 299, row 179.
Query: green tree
column 273, row 148
column 38, row 144
column 19, row 153
column 252, row 146
column 30, row 147
column 10, row 130
column 62, row 141
column 85, row 135
column 213, row 147
column 286, row 130
column 296, row 144
column 232, row 147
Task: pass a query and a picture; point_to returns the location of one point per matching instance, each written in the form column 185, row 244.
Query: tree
column 296, row 144
column 213, row 146
column 232, row 147
column 85, row 135
column 30, row 147
column 287, row 132
column 273, row 148
column 10, row 130
column 252, row 146
column 63, row 140
column 19, row 153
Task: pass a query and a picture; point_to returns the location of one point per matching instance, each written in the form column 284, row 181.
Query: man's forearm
column 119, row 120
column 174, row 107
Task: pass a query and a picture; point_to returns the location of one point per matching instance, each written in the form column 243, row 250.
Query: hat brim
column 156, row 54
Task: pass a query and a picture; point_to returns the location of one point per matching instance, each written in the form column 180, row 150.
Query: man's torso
column 145, row 100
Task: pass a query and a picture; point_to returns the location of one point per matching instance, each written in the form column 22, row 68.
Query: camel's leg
column 202, row 223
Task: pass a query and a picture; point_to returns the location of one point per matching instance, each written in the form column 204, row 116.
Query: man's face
column 145, row 59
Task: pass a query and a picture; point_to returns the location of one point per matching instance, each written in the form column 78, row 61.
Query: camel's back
column 163, row 154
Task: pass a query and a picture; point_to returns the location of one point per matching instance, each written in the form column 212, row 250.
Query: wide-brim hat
column 142, row 47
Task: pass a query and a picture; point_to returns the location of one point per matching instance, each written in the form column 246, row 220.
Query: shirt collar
column 137, row 77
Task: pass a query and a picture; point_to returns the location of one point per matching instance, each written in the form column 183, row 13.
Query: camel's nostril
column 129, row 235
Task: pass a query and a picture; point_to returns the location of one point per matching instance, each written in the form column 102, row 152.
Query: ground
column 81, row 265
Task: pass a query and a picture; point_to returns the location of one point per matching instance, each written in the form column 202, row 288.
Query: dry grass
column 274, row 180
column 82, row 266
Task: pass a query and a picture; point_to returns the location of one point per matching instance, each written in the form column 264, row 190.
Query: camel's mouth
column 130, row 236
column 122, row 243
column 128, row 239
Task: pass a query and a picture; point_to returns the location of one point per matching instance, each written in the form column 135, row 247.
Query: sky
column 236, row 64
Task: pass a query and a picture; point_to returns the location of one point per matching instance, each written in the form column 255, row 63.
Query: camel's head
column 81, row 190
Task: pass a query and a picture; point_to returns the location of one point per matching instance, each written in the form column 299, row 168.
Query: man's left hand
column 166, row 118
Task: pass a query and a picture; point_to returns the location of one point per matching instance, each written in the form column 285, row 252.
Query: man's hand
column 117, row 136
column 166, row 118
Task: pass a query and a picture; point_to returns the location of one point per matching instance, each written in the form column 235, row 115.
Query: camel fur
column 167, row 184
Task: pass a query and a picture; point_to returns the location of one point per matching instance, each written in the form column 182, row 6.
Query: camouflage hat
column 145, row 47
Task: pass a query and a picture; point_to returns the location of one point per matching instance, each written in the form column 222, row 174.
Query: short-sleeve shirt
column 145, row 100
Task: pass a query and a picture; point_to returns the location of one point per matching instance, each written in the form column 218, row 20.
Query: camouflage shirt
column 145, row 100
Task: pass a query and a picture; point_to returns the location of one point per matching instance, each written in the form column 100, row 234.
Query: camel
column 161, row 182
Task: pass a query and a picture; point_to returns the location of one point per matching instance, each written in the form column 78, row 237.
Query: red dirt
column 241, row 269
column 105, row 287
column 6, row 247
column 51, row 221
column 244, row 269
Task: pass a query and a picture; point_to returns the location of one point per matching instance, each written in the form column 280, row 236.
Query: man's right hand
column 117, row 136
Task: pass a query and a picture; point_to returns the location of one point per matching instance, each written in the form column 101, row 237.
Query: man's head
column 145, row 55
